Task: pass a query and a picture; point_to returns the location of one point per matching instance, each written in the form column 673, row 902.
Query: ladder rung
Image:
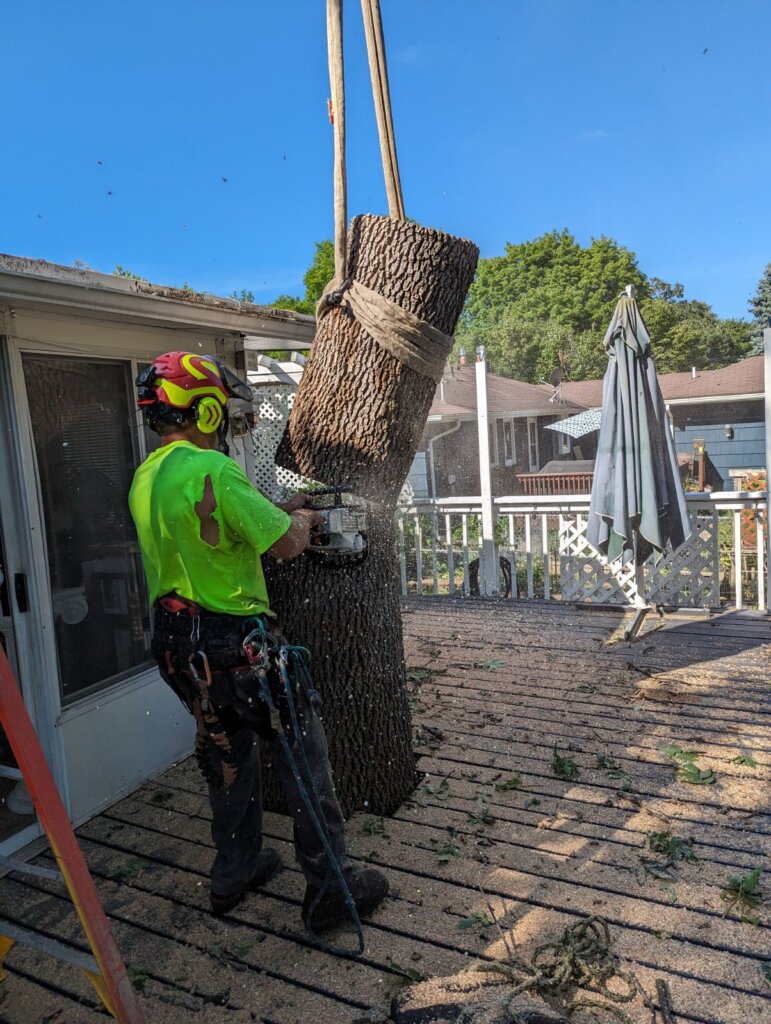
column 50, row 947
column 6, row 772
column 11, row 864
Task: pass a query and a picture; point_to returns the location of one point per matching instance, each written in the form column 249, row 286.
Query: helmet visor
column 236, row 387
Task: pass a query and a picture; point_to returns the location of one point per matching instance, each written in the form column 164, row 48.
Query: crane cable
column 405, row 336
column 381, row 95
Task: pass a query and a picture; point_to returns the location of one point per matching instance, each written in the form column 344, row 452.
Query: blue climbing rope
column 289, row 659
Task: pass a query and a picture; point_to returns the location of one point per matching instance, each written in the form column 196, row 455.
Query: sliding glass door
column 82, row 424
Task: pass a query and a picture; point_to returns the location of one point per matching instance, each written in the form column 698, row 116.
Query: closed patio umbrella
column 638, row 504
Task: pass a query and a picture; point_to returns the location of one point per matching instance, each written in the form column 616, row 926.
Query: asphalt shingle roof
column 743, row 378
column 504, row 395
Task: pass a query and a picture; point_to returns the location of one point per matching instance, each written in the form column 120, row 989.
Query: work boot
column 368, row 888
column 268, row 866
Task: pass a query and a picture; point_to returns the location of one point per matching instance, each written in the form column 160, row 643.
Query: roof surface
column 456, row 396
column 743, row 378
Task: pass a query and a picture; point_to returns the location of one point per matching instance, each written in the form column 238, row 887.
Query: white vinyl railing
column 541, row 552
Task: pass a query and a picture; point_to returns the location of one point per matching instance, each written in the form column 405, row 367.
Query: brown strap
column 405, row 336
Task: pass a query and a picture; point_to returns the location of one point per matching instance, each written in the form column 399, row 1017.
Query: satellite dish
column 556, row 377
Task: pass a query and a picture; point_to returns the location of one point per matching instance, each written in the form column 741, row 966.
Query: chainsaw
column 341, row 538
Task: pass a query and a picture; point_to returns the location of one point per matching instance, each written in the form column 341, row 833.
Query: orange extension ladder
column 105, row 969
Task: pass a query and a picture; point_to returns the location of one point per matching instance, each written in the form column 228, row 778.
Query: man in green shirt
column 202, row 530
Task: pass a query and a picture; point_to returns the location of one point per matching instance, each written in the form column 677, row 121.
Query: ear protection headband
column 208, row 414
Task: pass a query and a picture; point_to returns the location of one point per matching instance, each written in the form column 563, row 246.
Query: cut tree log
column 357, row 419
column 359, row 413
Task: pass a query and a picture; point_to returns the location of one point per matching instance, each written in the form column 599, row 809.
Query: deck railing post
column 488, row 574
column 739, row 596
column 402, row 555
column 760, row 523
column 450, row 554
column 767, row 378
column 418, row 553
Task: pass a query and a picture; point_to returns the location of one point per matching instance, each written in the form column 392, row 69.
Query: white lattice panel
column 686, row 578
column 273, row 405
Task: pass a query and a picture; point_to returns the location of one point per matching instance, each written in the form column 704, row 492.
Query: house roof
column 743, row 378
column 38, row 283
column 456, row 397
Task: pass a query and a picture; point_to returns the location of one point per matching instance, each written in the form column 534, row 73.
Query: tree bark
column 357, row 419
column 359, row 413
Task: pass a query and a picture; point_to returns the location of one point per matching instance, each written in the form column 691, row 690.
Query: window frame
column 510, row 460
column 492, row 436
column 532, row 421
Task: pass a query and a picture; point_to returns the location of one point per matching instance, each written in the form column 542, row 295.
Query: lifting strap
column 405, row 336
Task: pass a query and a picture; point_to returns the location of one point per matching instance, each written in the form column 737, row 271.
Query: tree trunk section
column 359, row 413
column 357, row 419
column 350, row 619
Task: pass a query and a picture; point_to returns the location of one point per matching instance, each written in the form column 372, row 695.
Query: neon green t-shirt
column 202, row 527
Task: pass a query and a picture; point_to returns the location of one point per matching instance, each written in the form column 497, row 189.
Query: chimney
column 462, row 358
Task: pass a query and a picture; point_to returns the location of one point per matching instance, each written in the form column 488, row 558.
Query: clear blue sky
column 644, row 121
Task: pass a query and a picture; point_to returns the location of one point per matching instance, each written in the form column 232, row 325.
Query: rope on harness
column 284, row 656
column 582, row 958
column 403, row 335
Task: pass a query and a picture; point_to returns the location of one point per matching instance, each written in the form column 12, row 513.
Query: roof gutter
column 714, row 399
column 128, row 301
column 516, row 414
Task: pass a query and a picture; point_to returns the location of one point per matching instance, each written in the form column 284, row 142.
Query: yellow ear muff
column 208, row 414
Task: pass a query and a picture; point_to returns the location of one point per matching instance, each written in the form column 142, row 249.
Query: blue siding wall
column 746, row 451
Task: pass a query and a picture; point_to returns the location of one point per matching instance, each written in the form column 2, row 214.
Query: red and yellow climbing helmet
column 182, row 381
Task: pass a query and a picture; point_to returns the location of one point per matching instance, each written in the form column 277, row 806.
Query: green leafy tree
column 760, row 308
column 686, row 333
column 554, row 278
column 548, row 302
column 244, row 295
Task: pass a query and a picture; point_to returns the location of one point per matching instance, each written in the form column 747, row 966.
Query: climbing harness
column 259, row 667
column 290, row 662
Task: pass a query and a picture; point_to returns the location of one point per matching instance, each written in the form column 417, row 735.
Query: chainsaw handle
column 338, row 492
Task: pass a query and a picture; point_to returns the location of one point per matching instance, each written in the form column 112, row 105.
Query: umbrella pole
column 641, row 606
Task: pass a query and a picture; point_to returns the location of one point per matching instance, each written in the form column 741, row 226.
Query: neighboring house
column 519, row 442
column 73, row 607
column 723, row 410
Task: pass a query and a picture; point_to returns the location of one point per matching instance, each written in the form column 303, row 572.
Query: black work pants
column 236, row 803
column 237, row 808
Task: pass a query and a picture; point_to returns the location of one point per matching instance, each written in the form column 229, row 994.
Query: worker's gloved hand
column 314, row 519
column 297, row 501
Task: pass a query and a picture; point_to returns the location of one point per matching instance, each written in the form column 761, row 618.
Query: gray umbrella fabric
column 638, row 504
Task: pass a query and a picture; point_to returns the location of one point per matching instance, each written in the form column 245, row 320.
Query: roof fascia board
column 715, row 399
column 38, row 292
column 500, row 414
